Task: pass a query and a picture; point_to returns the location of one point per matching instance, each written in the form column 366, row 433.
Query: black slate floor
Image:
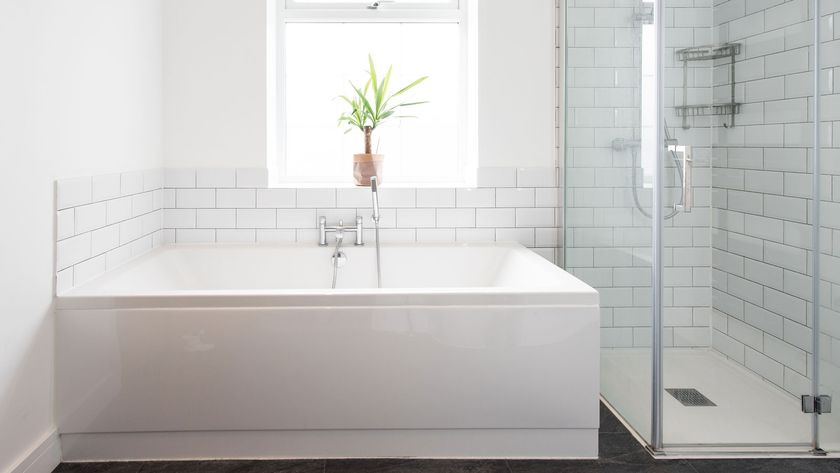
column 620, row 453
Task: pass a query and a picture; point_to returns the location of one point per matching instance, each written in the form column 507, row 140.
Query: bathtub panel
column 293, row 368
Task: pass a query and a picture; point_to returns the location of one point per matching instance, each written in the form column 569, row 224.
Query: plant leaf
column 409, row 87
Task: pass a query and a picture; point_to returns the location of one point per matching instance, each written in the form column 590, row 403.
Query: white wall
column 215, row 83
column 516, row 62
column 80, row 87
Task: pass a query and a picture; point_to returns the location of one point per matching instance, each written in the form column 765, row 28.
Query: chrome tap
column 339, row 230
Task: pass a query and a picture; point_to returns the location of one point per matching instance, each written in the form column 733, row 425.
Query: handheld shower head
column 374, row 189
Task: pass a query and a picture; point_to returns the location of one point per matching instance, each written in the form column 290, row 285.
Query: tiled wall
column 762, row 181
column 608, row 240
column 103, row 221
column 236, row 205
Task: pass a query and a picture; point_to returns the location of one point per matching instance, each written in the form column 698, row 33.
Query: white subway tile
column 90, row 217
column 65, row 223
column 275, row 236
column 130, row 230
column 252, row 178
column 515, row 197
column 236, row 198
column 118, row 210
column 548, row 197
column 179, row 218
column 308, row 235
column 131, row 183
column 536, row 177
column 195, row 236
column 354, row 197
column 177, row 178
column 436, row 198
column 495, row 218
column 256, row 218
column 72, row 251
column 64, row 281
column 169, row 201
column 334, row 216
column 475, row 197
column 152, row 179
column 524, row 236
column 106, row 186
column 785, row 353
column 151, row 222
column 216, row 218
column 475, row 234
column 105, row 239
column 547, row 237
column 196, row 198
column 140, row 246
column 454, row 218
column 142, row 203
column 397, row 235
column 434, row 235
column 87, row 270
column 397, row 198
column 275, row 198
column 416, row 218
column 496, row 177
column 215, row 178
column 296, row 218
column 316, row 198
column 536, row 217
column 73, row 192
column 117, row 257
column 236, row 236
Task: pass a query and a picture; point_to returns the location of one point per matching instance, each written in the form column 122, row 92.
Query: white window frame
column 460, row 12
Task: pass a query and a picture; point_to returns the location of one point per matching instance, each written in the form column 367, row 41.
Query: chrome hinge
column 816, row 404
column 645, row 15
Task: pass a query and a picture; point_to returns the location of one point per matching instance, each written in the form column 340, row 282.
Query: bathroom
column 584, row 237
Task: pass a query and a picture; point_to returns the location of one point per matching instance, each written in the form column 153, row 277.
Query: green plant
column 369, row 112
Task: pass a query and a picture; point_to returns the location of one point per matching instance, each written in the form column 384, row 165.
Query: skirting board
column 44, row 456
column 486, row 443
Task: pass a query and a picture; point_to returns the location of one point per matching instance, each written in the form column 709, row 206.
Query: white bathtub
column 470, row 350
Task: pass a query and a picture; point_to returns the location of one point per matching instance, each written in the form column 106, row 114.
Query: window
column 323, row 45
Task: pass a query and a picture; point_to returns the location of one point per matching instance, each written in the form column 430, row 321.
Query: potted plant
column 370, row 107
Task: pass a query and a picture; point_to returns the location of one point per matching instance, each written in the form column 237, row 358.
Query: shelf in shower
column 708, row 110
column 705, row 53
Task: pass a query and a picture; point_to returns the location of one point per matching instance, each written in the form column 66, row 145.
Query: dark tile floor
column 620, row 453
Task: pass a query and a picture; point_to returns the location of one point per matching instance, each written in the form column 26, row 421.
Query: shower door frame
column 657, row 445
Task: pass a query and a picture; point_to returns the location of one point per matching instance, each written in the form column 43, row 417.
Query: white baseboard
column 479, row 443
column 43, row 457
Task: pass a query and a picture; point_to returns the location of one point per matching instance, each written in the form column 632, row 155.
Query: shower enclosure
column 702, row 200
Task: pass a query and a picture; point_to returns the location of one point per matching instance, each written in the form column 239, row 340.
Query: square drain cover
column 690, row 397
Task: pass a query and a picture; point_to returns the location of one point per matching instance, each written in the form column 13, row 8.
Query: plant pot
column 366, row 166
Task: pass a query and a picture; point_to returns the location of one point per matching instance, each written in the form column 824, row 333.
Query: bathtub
column 226, row 351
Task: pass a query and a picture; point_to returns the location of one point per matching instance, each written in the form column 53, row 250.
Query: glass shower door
column 735, row 281
column 828, row 310
column 608, row 185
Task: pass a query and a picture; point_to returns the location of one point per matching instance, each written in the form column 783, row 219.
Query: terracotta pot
column 367, row 165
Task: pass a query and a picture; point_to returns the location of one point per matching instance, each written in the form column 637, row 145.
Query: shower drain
column 690, row 397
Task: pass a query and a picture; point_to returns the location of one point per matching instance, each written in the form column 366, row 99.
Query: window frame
column 451, row 11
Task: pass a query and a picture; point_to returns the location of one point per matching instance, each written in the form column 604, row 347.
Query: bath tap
column 323, row 229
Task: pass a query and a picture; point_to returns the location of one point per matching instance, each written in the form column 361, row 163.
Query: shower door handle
column 687, row 172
